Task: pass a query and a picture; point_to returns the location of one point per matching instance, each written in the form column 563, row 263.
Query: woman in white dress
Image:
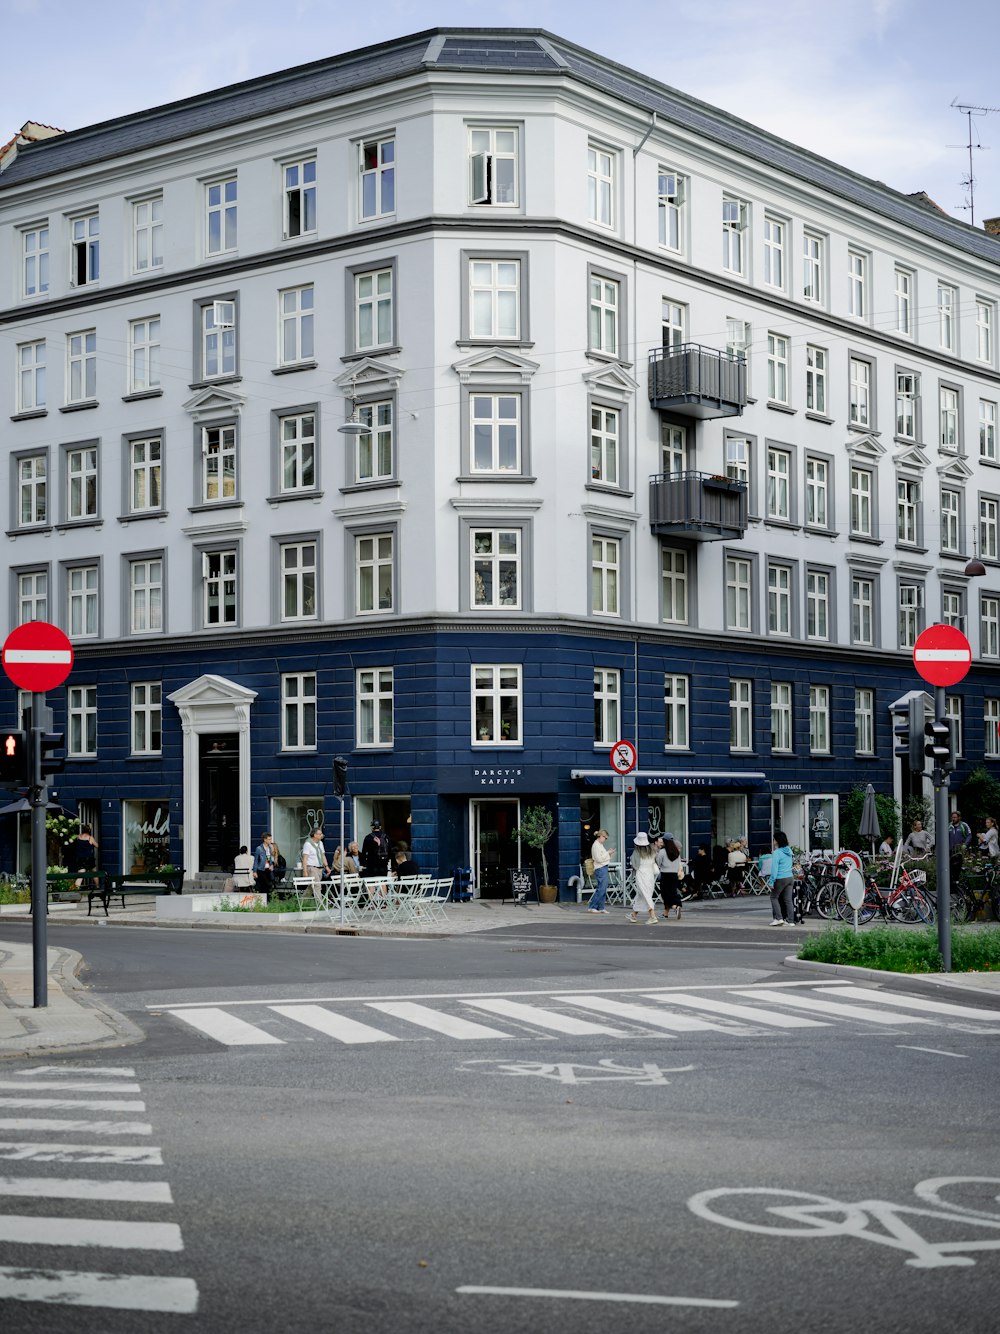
column 644, row 865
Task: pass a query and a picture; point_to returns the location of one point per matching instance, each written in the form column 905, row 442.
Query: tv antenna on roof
column 969, row 183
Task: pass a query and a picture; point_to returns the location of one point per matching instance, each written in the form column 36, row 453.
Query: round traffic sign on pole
column 942, row 655
column 624, row 757
column 37, row 656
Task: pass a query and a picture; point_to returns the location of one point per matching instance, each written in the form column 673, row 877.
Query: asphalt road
column 526, row 1178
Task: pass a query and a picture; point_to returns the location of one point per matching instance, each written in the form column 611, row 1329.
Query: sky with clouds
column 867, row 83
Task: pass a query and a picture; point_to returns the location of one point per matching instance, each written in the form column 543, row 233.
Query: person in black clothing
column 375, row 851
column 701, row 867
column 403, row 863
column 81, row 855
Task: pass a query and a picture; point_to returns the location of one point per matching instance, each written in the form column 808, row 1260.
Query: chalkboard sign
column 523, row 884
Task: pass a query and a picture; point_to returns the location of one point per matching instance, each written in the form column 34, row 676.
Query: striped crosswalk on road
column 52, row 1211
column 620, row 1013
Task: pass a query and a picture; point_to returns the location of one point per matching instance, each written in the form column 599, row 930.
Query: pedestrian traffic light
column 910, row 734
column 14, row 759
column 47, row 762
column 339, row 776
column 939, row 744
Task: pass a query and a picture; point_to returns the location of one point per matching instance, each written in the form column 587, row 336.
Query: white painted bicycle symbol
column 880, row 1221
column 567, row 1072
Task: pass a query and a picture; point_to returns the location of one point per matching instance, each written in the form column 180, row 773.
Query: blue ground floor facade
column 186, row 750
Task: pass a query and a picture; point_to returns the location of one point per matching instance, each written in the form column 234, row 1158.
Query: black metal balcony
column 697, row 505
column 697, row 381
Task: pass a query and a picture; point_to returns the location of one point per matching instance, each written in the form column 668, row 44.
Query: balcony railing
column 697, row 381
column 697, row 505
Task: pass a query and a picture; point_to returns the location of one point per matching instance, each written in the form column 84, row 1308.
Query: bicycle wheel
column 826, row 898
column 908, row 905
column 962, row 907
column 866, row 912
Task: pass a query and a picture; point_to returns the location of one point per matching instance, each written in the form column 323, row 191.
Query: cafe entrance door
column 494, row 849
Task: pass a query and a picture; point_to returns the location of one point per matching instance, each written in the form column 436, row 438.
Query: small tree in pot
column 534, row 831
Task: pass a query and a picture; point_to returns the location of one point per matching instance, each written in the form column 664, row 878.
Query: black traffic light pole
column 941, row 843
column 41, row 722
column 340, row 790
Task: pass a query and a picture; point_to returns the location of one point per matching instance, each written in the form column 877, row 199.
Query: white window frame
column 499, row 424
column 299, row 577
column 297, row 443
column 374, row 453
column 857, row 284
column 908, row 498
column 219, row 464
column 31, row 387
column 860, row 392
column 495, row 687
column 818, row 605
column 35, row 261
column 674, row 576
column 816, row 379
column 81, row 721
column 671, row 200
column 32, row 490
column 911, row 601
column 673, row 449
column 813, row 268
column 948, row 412
column 81, row 482
column 740, row 714
column 602, row 186
column 83, row 601
column 298, row 711
column 605, row 444
column 738, row 459
column 777, row 368
column 298, row 191
column 220, row 580
column 735, row 213
column 218, row 340
column 605, row 575
column 377, row 168
column 144, row 354
column 605, row 315
column 146, row 595
column 674, row 321
column 775, row 233
column 947, row 312
column 145, row 464
column 781, row 717
column 906, row 405
column 81, row 366
column 991, row 727
column 495, row 559
column 951, row 513
column 985, row 322
column 817, row 492
column 955, row 714
column 739, row 582
column 676, row 711
column 819, row 720
column 32, row 596
column 989, row 626
column 863, row 610
column 147, row 718
column 296, row 324
column 495, row 298
column 221, row 213
column 779, row 599
column 374, row 299
column 864, row 721
column 490, row 146
column 862, row 502
column 904, row 302
column 147, row 234
column 989, row 528
column 375, row 573
column 374, row 718
column 607, row 706
column 953, row 609
column 85, row 250
column 988, row 430
column 778, row 498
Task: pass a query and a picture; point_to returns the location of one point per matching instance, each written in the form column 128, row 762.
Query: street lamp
column 975, row 567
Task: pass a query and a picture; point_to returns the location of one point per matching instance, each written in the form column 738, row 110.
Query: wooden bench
column 118, row 884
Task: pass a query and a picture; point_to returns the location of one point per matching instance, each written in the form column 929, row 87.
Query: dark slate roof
column 522, row 50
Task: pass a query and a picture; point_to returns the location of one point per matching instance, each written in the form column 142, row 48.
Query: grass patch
column 973, row 949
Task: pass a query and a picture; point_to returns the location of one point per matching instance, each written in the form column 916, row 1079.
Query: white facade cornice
column 954, row 470
column 495, row 365
column 369, row 376
column 611, row 380
column 214, row 402
column 864, row 447
column 912, row 458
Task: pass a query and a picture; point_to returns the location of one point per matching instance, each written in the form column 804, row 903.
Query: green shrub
column 903, row 950
column 850, row 817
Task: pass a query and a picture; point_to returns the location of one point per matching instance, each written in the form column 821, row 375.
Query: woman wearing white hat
column 644, row 865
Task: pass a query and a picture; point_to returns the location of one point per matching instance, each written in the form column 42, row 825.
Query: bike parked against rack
column 909, row 902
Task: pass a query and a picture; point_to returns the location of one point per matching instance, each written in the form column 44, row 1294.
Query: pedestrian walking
column 644, row 865
column 314, row 861
column 671, row 867
column 600, row 855
column 81, row 855
column 781, row 881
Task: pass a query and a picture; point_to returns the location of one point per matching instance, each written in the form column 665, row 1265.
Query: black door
column 219, row 802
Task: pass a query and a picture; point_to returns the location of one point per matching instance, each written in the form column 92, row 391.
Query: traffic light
column 15, row 764
column 339, row 776
column 939, row 744
column 911, row 734
column 47, row 762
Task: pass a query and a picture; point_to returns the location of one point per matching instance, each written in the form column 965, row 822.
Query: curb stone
column 929, row 981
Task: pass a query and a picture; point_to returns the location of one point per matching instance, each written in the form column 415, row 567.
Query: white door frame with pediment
column 211, row 704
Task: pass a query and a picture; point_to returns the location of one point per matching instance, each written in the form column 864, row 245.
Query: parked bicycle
column 909, row 902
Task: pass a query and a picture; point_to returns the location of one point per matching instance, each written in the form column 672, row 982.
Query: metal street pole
column 942, row 849
column 343, row 858
column 39, row 878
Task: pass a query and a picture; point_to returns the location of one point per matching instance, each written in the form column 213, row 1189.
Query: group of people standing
column 657, row 863
column 374, row 858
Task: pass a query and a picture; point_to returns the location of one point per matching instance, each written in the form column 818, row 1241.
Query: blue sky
column 868, row 83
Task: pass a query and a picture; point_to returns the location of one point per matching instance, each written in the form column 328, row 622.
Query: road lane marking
column 753, row 1013
column 933, row 1051
column 139, row 1155
column 333, row 1025
column 121, row 1071
column 916, row 1003
column 831, row 1007
column 643, row 1014
column 216, row 1023
column 56, row 1084
column 56, row 1123
column 448, row 1025
column 28, row 1230
column 569, row 1294
column 542, row 1018
column 123, row 1292
column 89, row 1104
column 87, row 1188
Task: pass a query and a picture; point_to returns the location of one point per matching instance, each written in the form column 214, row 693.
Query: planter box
column 186, row 905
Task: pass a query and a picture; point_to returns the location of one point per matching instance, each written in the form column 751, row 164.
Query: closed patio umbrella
column 869, row 825
column 23, row 804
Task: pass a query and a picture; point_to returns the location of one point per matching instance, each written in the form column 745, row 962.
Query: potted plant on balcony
column 535, row 830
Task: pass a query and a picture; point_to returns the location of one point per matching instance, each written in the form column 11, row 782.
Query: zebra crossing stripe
column 28, row 1230
column 448, row 1025
column 542, row 1018
column 89, row 1104
column 333, row 1025
column 57, row 1123
column 83, row 1086
column 123, row 1292
column 752, row 1013
column 643, row 1014
column 87, row 1188
column 137, row 1155
column 216, row 1023
column 913, row 1003
column 832, row 1008
column 121, row 1071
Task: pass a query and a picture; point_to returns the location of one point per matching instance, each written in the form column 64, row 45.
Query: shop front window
column 146, row 828
column 821, row 824
column 292, row 821
column 667, row 814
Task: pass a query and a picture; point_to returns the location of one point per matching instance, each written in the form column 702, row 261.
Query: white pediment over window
column 954, row 470
column 612, row 381
column 495, row 365
column 214, row 402
column 865, row 447
column 213, row 693
column 912, row 458
column 369, row 376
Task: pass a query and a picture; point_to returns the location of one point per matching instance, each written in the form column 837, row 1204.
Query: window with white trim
column 774, row 252
column 604, row 314
column 779, row 599
column 298, row 581
column 860, row 392
column 674, row 584
column 81, row 482
column 496, row 705
column 377, row 196
column 777, row 368
column 738, row 459
column 955, row 714
column 906, row 405
column 32, row 596
column 907, row 511
column 904, row 302
column 147, row 717
column 911, row 601
column 605, row 565
column 817, row 604
column 781, row 716
column 815, row 379
column 218, row 467
column 374, row 450
column 813, row 265
column 493, row 169
column 676, row 698
column 145, row 577
column 32, row 489
column 85, row 250
column 953, row 608
column 297, row 436
column 739, row 573
column 373, row 321
column 35, row 261
column 296, row 307
column 950, row 520
column 862, row 610
column 739, row 339
column 81, row 366
column 299, row 184
column 496, row 567
column 144, row 355
column 819, row 720
column 948, row 410
column 989, row 509
column 734, row 227
column 671, row 198
column 985, row 321
column 374, row 573
column 220, row 216
column 987, row 430
column 607, row 705
column 601, row 186
column 862, row 509
column 864, row 721
column 218, row 339
column 495, row 298
column 31, row 376
column 81, row 717
column 605, row 433
column 740, row 714
column 673, row 449
column 989, row 626
column 298, row 711
column 817, row 492
column 145, row 462
column 147, row 234
column 220, row 589
column 779, row 469
column 947, row 309
column 375, row 700
column 991, row 728
column 857, row 284
column 82, row 601
column 495, row 421
column 674, row 320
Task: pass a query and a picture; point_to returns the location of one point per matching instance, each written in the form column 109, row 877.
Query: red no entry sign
column 37, row 656
column 623, row 757
column 942, row 655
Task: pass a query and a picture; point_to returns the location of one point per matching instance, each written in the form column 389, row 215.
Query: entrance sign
column 942, row 655
column 37, row 656
column 624, row 757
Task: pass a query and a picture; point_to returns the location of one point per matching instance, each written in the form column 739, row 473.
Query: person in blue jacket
column 781, row 881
